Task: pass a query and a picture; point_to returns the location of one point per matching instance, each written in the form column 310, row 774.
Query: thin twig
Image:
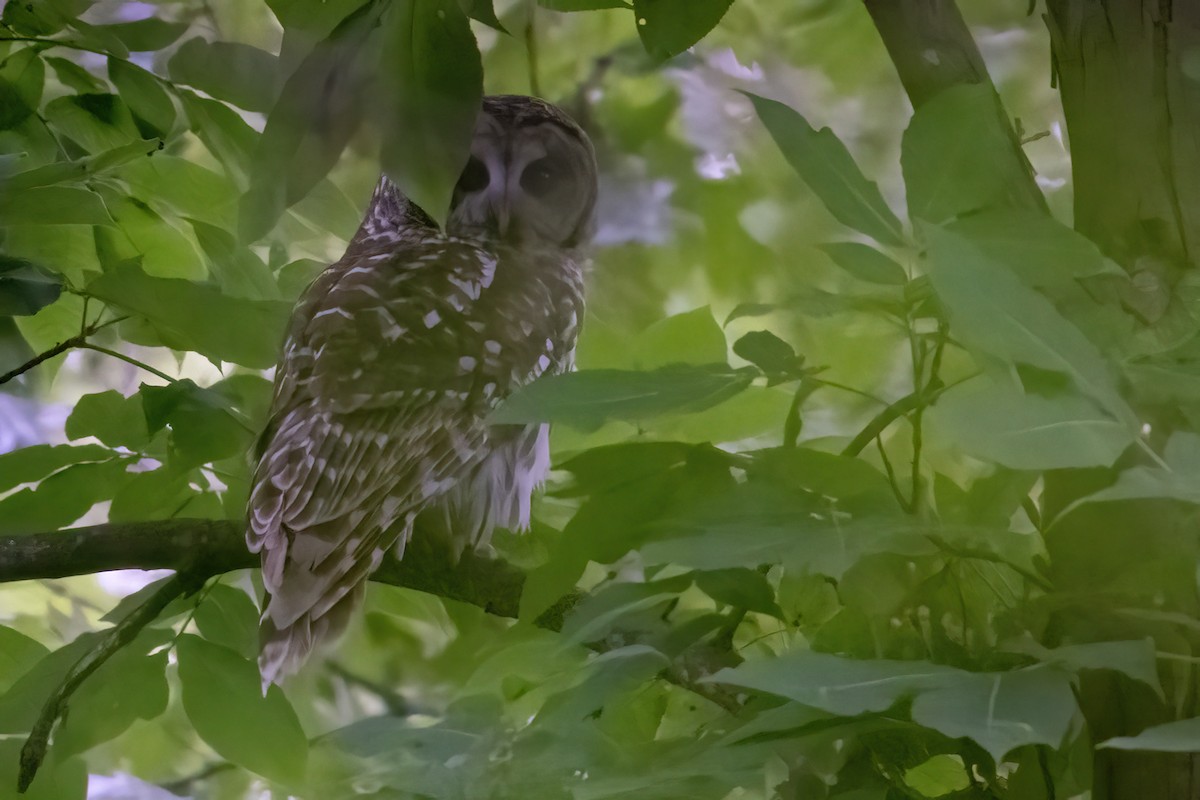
column 531, row 53
column 127, row 359
column 58, row 349
column 119, row 635
column 896, row 410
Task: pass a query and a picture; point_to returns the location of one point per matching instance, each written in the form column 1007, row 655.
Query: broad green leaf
column 316, row 17
column 668, row 27
column 144, row 95
column 224, row 700
column 431, row 86
column 320, row 107
column 25, row 288
column 1180, row 736
column 162, row 249
column 223, row 131
column 35, row 17
column 145, row 35
column 96, row 122
column 992, row 312
column 238, row 270
column 1039, row 249
column 1136, row 659
column 18, row 654
column 1000, row 711
column 237, row 73
column 114, row 419
column 692, row 337
column 183, row 313
column 941, row 775
column 185, row 187
column 228, row 617
column 997, row 422
column 53, row 324
column 62, row 498
column 768, row 352
column 204, row 426
column 1179, row 480
column 825, row 164
column 866, row 263
column 22, row 77
column 53, row 205
column 586, row 399
column 74, row 76
column 30, row 464
column 58, row 779
column 947, row 158
column 81, row 169
column 157, row 494
column 127, row 687
column 739, row 587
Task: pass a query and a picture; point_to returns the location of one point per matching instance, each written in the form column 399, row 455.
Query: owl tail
column 286, row 648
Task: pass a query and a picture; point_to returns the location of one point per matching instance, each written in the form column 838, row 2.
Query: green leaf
column 825, row 164
column 431, row 86
column 237, row 73
column 866, row 263
column 25, row 288
column 204, row 427
column 145, row 97
column 58, row 779
column 114, row 419
column 224, row 700
column 30, row 464
column 1000, row 711
column 238, row 270
column 96, row 122
column 53, row 205
column 127, row 687
column 74, row 76
column 583, row 5
column 483, row 11
column 228, row 617
column 768, row 352
column 62, row 498
column 997, row 422
column 81, row 169
column 941, row 775
column 183, row 313
column 18, row 654
column 1038, row 248
column 1136, row 659
column 157, row 494
column 22, row 78
column 992, row 312
column 948, row 154
column 668, row 27
column 148, row 34
column 740, row 587
column 692, row 337
column 320, row 107
column 588, row 398
column 1180, row 736
column 1178, row 480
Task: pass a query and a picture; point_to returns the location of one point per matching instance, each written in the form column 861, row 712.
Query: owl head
column 530, row 179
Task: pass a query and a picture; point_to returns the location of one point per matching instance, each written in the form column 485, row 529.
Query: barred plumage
column 394, row 357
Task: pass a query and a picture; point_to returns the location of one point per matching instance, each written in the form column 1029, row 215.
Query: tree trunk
column 1129, row 75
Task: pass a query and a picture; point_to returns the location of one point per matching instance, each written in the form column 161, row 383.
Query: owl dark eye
column 540, row 177
column 475, row 176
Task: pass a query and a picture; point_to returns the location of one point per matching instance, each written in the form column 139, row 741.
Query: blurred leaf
column 224, row 700
column 57, row 779
column 30, row 464
column 825, row 164
column 1135, row 659
column 947, row 154
column 583, row 5
column 145, row 97
column 36, row 17
column 18, row 654
column 81, row 169
column 1000, row 711
column 53, row 205
column 1180, row 736
column 74, row 76
column 431, row 86
column 96, row 122
column 692, row 337
column 237, row 269
column 483, row 11
column 184, row 314
column 228, row 617
column 25, row 288
column 997, row 422
column 866, row 263
column 586, row 399
column 237, row 73
column 114, row 419
column 1179, row 479
column 127, row 687
column 145, row 35
column 768, row 352
column 668, row 27
column 992, row 312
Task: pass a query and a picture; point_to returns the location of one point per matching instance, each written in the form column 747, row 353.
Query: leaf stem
column 127, row 359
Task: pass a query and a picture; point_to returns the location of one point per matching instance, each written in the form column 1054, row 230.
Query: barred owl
column 395, row 356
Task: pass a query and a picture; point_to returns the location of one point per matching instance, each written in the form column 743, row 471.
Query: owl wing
column 371, row 420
